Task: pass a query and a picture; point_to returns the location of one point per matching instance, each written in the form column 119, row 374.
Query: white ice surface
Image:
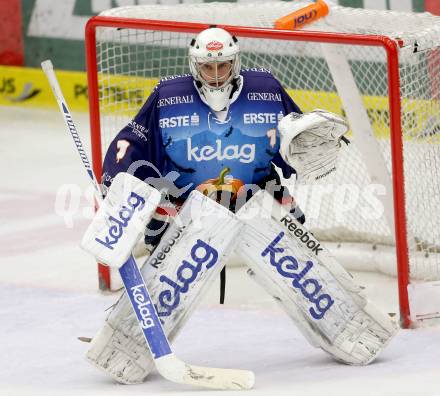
column 48, row 294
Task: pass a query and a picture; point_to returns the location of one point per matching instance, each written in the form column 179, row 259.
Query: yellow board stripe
column 28, row 87
column 419, row 117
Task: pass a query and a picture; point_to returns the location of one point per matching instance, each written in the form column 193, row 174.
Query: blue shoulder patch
column 175, row 90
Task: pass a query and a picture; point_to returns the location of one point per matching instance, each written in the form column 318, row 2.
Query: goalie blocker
column 312, row 287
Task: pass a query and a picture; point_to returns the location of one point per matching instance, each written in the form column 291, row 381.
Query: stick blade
column 175, row 370
column 218, row 378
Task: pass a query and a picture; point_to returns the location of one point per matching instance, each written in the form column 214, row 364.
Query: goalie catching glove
column 310, row 143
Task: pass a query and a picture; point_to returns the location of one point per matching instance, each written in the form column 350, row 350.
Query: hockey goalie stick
column 167, row 364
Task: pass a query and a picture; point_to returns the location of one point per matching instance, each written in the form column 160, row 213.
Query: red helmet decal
column 214, row 46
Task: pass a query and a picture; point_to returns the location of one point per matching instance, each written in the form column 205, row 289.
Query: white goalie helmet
column 214, row 61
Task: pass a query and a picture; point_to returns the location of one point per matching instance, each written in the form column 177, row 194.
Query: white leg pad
column 123, row 357
column 329, row 308
column 176, row 281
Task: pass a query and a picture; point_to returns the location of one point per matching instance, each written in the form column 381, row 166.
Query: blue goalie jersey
column 175, row 131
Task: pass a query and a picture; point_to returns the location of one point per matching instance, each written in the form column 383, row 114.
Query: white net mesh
column 343, row 207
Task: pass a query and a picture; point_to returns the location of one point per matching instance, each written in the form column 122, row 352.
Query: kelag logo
column 143, row 306
column 289, row 267
column 244, row 153
column 116, row 231
column 201, row 254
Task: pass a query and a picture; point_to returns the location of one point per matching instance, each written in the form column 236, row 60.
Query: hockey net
column 391, row 100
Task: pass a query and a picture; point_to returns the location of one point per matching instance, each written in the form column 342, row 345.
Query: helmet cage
column 215, row 72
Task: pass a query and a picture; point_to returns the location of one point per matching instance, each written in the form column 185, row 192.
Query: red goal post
column 390, row 47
